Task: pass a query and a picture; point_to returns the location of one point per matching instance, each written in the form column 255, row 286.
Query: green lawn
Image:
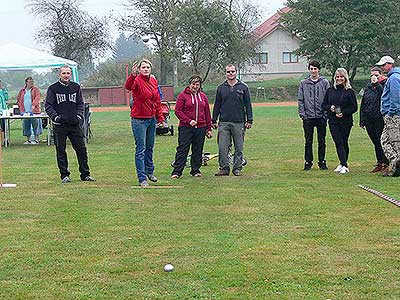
column 274, row 233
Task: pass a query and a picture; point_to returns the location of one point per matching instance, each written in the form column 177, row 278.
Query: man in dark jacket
column 64, row 105
column 233, row 109
column 311, row 94
column 371, row 118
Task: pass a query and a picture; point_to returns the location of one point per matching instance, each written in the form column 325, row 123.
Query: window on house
column 290, row 57
column 260, row 58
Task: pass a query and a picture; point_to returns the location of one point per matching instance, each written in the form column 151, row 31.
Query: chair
column 261, row 92
column 87, row 122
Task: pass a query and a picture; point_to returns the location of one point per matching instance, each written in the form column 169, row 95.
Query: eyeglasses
column 230, row 72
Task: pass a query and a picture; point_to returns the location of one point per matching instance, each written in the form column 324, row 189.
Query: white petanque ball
column 168, row 268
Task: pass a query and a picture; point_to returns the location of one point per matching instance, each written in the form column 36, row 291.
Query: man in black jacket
column 65, row 106
column 233, row 109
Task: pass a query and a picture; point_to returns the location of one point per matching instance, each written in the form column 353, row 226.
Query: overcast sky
column 18, row 26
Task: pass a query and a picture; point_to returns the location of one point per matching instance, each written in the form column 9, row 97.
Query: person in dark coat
column 64, row 105
column 340, row 102
column 371, row 118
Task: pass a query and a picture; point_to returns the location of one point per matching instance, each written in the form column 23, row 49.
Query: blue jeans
column 144, row 132
column 28, row 125
column 32, row 126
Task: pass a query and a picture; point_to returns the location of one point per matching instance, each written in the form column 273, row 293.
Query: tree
column 71, row 32
column 107, row 73
column 214, row 33
column 340, row 33
column 126, row 48
column 157, row 20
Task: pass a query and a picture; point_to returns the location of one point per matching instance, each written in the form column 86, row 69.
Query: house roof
column 270, row 25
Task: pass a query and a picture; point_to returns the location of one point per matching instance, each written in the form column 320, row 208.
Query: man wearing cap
column 390, row 109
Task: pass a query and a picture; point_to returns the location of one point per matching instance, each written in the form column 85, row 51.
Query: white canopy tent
column 17, row 57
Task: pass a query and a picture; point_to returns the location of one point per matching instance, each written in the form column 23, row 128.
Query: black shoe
column 222, row 173
column 322, row 165
column 307, row 166
column 88, row 178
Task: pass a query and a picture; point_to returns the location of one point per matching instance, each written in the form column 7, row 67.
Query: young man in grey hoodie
column 311, row 95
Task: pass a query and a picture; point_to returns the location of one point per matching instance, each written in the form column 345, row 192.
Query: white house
column 275, row 52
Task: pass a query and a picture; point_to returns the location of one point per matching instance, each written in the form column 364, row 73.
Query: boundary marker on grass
column 380, row 195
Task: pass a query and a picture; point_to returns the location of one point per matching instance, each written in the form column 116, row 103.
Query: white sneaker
column 344, row 170
column 338, row 169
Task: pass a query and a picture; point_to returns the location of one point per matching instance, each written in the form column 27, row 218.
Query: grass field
column 275, row 233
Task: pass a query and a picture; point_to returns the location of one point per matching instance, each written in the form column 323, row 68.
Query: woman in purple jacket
column 193, row 112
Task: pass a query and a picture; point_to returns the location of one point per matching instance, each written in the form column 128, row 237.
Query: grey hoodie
column 311, row 95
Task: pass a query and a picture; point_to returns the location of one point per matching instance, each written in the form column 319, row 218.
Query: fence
column 117, row 95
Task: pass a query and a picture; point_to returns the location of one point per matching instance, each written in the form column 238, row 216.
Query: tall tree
column 214, row 33
column 342, row 33
column 71, row 32
column 126, row 48
column 155, row 19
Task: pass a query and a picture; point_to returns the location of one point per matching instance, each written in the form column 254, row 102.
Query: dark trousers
column 308, row 126
column 340, row 134
column 374, row 129
column 77, row 139
column 189, row 136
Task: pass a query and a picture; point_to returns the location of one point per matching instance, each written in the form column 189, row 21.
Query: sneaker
column 144, row 184
column 27, row 143
column 307, row 166
column 88, row 178
column 151, row 177
column 322, row 165
column 237, row 173
column 33, row 142
column 344, row 170
column 197, row 175
column 222, row 173
column 175, row 176
column 338, row 168
column 66, row 179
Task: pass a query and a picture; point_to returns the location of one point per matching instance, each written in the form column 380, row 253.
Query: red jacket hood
column 146, row 98
column 191, row 106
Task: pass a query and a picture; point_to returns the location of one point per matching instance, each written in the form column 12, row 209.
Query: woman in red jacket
column 193, row 112
column 145, row 113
